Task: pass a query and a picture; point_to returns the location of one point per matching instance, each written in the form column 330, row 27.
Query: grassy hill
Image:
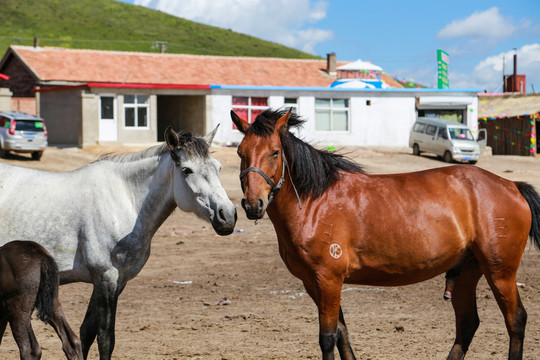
column 112, row 25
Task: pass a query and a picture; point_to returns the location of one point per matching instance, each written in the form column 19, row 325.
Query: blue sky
column 400, row 36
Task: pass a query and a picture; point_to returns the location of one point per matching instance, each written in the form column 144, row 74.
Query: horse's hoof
column 447, row 295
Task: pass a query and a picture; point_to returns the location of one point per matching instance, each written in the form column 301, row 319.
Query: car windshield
column 29, row 125
column 460, row 134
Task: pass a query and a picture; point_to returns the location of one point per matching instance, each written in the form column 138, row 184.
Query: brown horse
column 28, row 281
column 336, row 224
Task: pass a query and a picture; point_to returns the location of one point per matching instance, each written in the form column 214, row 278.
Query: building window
column 331, row 114
column 107, row 107
column 291, row 103
column 248, row 107
column 136, row 111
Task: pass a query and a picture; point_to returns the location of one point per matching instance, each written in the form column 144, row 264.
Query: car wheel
column 447, row 157
column 416, row 149
column 472, row 162
column 3, row 153
column 36, row 155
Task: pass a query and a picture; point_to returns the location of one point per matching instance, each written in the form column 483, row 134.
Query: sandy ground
column 267, row 313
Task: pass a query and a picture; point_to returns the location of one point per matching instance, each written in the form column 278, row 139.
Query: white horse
column 98, row 221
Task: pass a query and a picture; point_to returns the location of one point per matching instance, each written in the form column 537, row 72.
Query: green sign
column 442, row 65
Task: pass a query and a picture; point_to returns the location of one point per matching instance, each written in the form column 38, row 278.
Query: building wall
column 132, row 136
column 24, row 104
column 90, row 119
column 375, row 118
column 62, row 111
column 378, row 118
column 126, row 135
column 5, row 99
column 21, row 81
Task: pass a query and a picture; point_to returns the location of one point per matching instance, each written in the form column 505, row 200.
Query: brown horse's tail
column 533, row 199
column 48, row 287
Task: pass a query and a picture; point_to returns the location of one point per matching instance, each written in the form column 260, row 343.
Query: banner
column 442, row 64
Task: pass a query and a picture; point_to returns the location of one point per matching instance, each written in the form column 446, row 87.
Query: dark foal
column 28, row 281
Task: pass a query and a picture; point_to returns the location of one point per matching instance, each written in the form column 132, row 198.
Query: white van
column 448, row 139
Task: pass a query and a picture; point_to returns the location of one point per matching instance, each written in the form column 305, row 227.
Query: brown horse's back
column 410, row 227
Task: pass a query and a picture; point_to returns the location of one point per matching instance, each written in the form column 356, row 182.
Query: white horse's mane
column 153, row 151
column 189, row 143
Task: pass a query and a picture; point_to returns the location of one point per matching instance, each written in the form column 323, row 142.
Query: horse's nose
column 225, row 220
column 255, row 211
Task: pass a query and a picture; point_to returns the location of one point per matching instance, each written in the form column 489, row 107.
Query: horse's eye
column 275, row 154
column 187, row 171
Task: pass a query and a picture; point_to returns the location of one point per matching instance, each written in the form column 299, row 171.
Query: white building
column 111, row 97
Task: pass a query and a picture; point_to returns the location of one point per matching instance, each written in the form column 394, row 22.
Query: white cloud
column 282, row 21
column 488, row 24
column 488, row 74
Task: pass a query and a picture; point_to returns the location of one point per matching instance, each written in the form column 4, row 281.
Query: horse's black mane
column 312, row 170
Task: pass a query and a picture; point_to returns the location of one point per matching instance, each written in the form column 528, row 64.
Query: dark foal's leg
column 100, row 317
column 343, row 344
column 70, row 342
column 3, row 324
column 464, row 303
column 21, row 327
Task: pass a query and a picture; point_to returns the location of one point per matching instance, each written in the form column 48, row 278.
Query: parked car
column 448, row 139
column 22, row 133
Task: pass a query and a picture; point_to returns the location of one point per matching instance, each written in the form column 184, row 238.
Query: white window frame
column 136, row 105
column 249, row 106
column 333, row 109
column 287, row 105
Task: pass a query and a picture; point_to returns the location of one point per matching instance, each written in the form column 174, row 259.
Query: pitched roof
column 508, row 105
column 60, row 64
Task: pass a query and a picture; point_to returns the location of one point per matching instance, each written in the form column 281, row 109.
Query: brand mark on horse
column 335, row 251
column 500, row 226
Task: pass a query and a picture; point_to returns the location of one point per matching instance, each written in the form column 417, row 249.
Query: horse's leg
column 70, row 342
column 89, row 326
column 343, row 343
column 100, row 316
column 327, row 296
column 464, row 303
column 503, row 285
column 21, row 327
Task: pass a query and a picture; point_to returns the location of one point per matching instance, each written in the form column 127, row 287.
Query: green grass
column 113, row 25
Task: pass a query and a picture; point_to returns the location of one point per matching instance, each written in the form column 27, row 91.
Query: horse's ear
column 171, row 138
column 210, row 136
column 281, row 123
column 240, row 123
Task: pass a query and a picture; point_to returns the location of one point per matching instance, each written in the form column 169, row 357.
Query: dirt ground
column 202, row 296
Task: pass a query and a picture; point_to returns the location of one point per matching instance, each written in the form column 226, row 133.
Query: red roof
column 59, row 64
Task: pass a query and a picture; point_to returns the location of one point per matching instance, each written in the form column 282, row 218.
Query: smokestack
column 331, row 64
column 515, row 73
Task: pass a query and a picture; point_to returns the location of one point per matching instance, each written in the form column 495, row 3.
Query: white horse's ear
column 171, row 137
column 210, row 136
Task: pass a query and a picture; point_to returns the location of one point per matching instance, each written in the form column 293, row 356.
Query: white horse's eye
column 187, row 171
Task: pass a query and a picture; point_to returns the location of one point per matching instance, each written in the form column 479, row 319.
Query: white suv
column 20, row 132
